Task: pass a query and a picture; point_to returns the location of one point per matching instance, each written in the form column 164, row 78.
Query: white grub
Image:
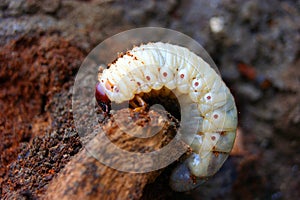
column 203, row 97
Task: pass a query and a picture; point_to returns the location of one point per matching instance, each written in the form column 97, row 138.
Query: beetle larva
column 204, row 100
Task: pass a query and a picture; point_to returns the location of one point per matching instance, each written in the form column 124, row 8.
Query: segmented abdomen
column 206, row 103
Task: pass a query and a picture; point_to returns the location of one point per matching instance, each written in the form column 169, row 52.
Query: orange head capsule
column 102, row 99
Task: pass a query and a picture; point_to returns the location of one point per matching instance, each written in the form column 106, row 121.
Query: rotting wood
column 84, row 177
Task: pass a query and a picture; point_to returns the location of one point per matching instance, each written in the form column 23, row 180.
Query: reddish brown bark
column 84, row 177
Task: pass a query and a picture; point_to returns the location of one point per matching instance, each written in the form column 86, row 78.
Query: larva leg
column 141, row 101
column 142, row 104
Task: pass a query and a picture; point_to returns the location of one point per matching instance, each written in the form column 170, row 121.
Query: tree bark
column 84, row 177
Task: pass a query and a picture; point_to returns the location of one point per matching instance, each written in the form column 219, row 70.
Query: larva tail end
column 182, row 180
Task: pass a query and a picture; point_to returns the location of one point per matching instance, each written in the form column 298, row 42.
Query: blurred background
column 254, row 43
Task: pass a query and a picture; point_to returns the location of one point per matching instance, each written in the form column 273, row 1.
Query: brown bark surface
column 84, row 177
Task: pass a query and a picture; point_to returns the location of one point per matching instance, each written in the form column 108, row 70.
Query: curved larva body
column 206, row 103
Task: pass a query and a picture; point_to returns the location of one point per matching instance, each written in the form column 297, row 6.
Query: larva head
column 101, row 97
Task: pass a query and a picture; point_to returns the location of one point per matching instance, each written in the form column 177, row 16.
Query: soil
column 255, row 47
column 33, row 71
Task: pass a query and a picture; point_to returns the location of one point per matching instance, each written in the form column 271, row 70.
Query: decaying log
column 84, row 177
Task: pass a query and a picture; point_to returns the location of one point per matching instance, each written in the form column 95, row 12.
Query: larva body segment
column 207, row 106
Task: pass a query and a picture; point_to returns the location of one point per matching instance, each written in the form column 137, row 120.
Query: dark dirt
column 256, row 49
column 33, row 70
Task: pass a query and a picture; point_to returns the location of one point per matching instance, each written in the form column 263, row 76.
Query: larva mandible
column 202, row 94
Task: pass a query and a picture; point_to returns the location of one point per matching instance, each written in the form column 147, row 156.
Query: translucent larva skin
column 203, row 96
